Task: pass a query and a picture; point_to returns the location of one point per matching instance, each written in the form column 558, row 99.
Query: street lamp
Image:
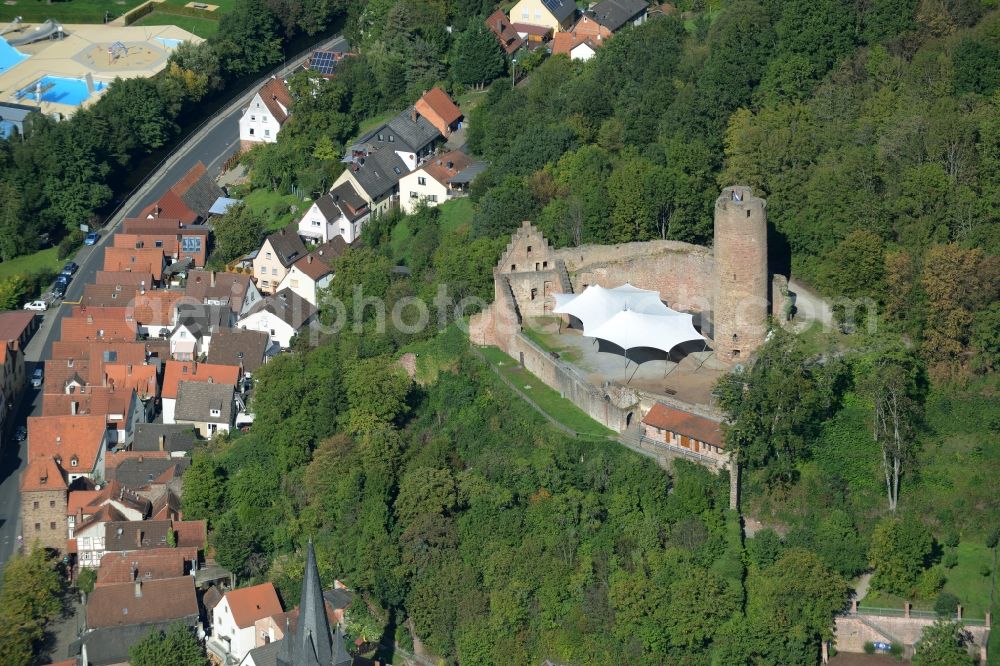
column 513, row 72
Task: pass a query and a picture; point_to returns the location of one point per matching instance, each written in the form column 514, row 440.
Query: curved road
column 212, row 144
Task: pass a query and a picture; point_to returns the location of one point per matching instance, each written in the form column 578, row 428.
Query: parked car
column 91, row 238
column 21, row 433
column 70, row 268
column 59, row 289
column 37, row 306
column 36, row 378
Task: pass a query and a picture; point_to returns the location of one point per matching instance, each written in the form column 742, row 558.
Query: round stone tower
column 739, row 308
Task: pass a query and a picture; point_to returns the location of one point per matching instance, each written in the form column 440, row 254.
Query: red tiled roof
column 156, row 307
column 249, row 604
column 275, row 95
column 84, row 500
column 13, row 323
column 156, row 226
column 313, row 266
column 684, row 423
column 438, row 169
column 188, row 371
column 509, row 40
column 118, row 567
column 146, row 260
column 437, row 107
column 191, row 533
column 528, row 29
column 156, row 601
column 115, row 458
column 565, row 42
column 81, row 437
column 42, row 474
column 141, row 378
column 124, row 278
column 80, row 329
column 170, row 206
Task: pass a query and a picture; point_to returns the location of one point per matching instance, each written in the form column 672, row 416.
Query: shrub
column 951, row 539
column 946, row 604
column 950, row 560
column 992, row 538
column 869, row 647
column 929, row 582
column 69, row 244
column 896, row 650
column 985, row 570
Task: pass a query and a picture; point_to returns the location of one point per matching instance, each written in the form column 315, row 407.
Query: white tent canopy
column 628, row 317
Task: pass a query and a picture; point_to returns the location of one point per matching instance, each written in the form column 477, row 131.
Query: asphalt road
column 212, row 144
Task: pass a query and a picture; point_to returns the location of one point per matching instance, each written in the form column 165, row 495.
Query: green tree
column 204, row 487
column 239, row 231
column 30, row 599
column 178, row 646
column 376, row 391
column 476, row 57
column 249, row 39
column 986, row 338
column 942, row 644
column 898, row 554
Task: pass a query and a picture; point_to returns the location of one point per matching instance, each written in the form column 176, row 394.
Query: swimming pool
column 60, row 90
column 9, row 56
column 169, row 42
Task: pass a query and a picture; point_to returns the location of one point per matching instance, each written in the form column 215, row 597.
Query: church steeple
column 313, row 643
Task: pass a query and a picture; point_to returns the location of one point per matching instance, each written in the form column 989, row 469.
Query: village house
column 123, row 279
column 264, row 117
column 555, row 14
column 77, row 445
column 122, row 409
column 233, row 618
column 84, row 504
column 534, row 36
column 150, row 473
column 145, row 260
column 205, row 406
column 189, row 200
column 231, row 289
column 281, row 316
column 687, row 434
column 439, row 179
column 276, row 256
column 576, row 46
column 18, row 326
column 177, row 240
column 608, row 17
column 240, row 347
column 499, row 25
column 43, row 504
column 175, row 439
column 440, row 111
column 120, row 567
column 191, row 337
column 314, row 271
column 190, row 371
column 377, row 160
column 340, row 213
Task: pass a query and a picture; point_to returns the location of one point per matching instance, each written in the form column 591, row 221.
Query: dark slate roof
column 110, row 645
column 338, row 598
column 197, row 190
column 203, row 319
column 331, row 204
column 196, row 400
column 287, row 306
column 379, row 171
column 139, row 473
column 135, row 535
column 561, row 9
column 229, row 343
column 613, row 14
column 267, row 655
column 287, row 245
column 469, row 174
column 408, row 135
column 313, row 643
column 176, row 437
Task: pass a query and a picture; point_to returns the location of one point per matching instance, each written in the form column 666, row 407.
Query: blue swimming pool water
column 60, row 90
column 168, row 42
column 9, row 56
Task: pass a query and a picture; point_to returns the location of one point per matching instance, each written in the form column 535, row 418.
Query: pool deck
column 85, row 50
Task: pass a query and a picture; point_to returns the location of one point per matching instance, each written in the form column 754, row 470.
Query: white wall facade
column 257, row 125
column 418, row 186
column 225, row 630
column 279, row 331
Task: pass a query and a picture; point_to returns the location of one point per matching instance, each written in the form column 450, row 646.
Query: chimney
column 142, row 286
column 138, row 539
column 413, row 114
column 74, row 408
column 309, row 259
column 128, row 369
column 212, row 279
column 162, row 442
column 138, row 586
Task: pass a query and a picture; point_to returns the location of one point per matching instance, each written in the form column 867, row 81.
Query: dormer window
column 74, row 461
column 216, row 412
column 392, row 138
column 380, row 137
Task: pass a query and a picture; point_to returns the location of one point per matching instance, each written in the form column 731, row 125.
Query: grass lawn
column 374, row 122
column 279, row 209
column 399, row 241
column 202, row 27
column 69, row 11
column 553, row 404
column 454, row 214
column 965, row 581
column 32, row 263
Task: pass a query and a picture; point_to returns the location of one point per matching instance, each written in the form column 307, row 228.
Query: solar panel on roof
column 323, row 62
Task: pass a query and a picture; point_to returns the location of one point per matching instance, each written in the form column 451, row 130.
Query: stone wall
column 51, row 509
column 681, row 272
column 854, row 630
column 565, row 379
